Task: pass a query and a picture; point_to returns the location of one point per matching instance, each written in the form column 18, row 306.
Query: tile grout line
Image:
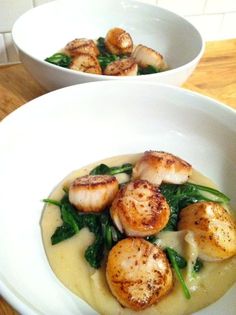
column 3, row 57
column 221, row 24
column 204, row 7
column 211, row 14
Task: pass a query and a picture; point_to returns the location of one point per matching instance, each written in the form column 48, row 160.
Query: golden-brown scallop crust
column 82, row 46
column 140, row 209
column 93, row 193
column 118, row 41
column 159, row 166
column 86, row 63
column 123, row 67
column 138, row 273
column 214, row 229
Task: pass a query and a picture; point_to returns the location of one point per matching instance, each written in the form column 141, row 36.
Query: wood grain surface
column 215, row 76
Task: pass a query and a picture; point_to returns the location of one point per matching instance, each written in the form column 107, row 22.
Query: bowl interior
column 54, row 24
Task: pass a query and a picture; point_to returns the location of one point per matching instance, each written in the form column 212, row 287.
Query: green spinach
column 198, row 265
column 105, row 233
column 171, row 254
column 60, row 59
column 148, row 70
column 180, row 196
column 103, row 169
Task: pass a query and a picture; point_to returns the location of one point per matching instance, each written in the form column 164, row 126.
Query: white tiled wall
column 215, row 19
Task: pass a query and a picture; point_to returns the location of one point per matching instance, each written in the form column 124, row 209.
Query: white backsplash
column 215, row 19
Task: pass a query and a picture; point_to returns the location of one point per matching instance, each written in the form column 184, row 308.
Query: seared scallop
column 86, row 63
column 93, row 193
column 214, row 229
column 145, row 56
column 139, row 209
column 158, row 167
column 138, row 273
column 82, row 46
column 123, row 67
column 118, row 42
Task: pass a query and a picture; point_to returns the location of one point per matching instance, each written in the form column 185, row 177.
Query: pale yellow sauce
column 68, row 263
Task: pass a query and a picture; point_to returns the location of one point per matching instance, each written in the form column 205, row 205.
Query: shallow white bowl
column 44, row 30
column 44, row 140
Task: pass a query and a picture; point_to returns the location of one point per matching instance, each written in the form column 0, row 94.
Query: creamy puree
column 68, row 262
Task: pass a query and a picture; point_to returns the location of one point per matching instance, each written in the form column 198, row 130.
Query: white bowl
column 44, row 140
column 44, row 30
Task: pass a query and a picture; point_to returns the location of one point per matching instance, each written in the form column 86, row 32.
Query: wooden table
column 215, row 76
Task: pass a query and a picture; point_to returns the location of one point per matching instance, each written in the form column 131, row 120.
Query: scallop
column 139, row 209
column 214, row 229
column 86, row 63
column 82, row 46
column 158, row 167
column 118, row 42
column 123, row 67
column 145, row 56
column 93, row 193
column 138, row 273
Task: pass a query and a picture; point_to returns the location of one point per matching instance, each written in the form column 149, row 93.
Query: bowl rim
column 6, row 290
column 110, row 77
column 217, row 104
